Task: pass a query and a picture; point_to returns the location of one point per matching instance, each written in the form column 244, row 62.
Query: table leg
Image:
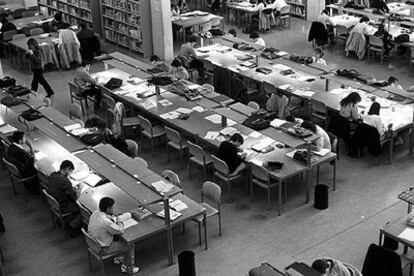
column 170, row 246
column 326, row 85
column 308, row 185
column 317, row 175
column 411, row 139
column 391, row 150
column 205, row 228
column 410, row 207
column 380, row 238
column 131, row 260
column 279, row 197
column 334, row 175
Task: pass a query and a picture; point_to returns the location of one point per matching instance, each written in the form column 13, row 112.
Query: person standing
column 194, row 61
column 35, row 57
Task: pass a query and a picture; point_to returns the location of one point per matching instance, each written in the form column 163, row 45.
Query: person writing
column 228, row 152
column 87, row 85
column 21, row 154
column 178, row 71
column 35, row 58
column 103, row 226
column 349, row 108
column 332, row 267
column 373, row 119
column 323, row 141
column 393, row 82
column 61, row 189
column 318, row 58
column 156, row 61
column 258, row 42
column 362, row 26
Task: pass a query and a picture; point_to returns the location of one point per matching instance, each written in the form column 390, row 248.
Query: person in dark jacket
column 35, row 58
column 386, row 38
column 7, row 26
column 380, row 5
column 57, row 23
column 228, row 152
column 20, row 153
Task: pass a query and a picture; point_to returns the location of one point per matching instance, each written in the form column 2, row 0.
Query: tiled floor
column 366, row 198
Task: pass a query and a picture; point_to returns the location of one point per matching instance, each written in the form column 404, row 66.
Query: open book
column 127, row 220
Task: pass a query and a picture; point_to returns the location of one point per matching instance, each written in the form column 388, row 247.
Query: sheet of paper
column 124, row 216
column 228, row 131
column 80, row 175
column 148, row 105
column 69, row 128
column 198, row 109
column 215, row 118
column 285, row 86
column 290, row 154
column 322, row 152
column 337, row 91
column 407, row 234
column 7, row 128
column 173, row 214
column 255, row 134
column 165, row 102
column 129, row 223
column 178, row 205
column 193, row 86
column 40, row 155
column 280, row 67
column 212, row 135
column 282, row 53
column 92, row 179
column 303, row 93
column 80, row 131
column 230, row 122
column 162, row 186
column 184, row 110
column 277, row 122
column 264, row 143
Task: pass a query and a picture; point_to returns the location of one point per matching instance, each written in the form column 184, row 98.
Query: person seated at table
column 187, row 51
column 386, row 39
column 57, row 23
column 104, row 227
column 349, row 108
column 332, row 267
column 318, row 58
column 232, row 32
column 380, row 5
column 21, row 154
column 7, row 26
column 362, row 26
column 182, row 5
column 228, row 152
column 62, row 190
column 87, row 85
column 89, row 43
column 100, row 133
column 156, row 61
column 177, row 70
column 257, row 41
column 393, row 82
column 323, row 142
column 373, row 119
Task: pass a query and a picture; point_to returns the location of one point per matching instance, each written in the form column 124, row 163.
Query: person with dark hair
column 103, row 226
column 380, row 5
column 57, row 23
column 7, row 26
column 87, row 85
column 35, row 58
column 323, row 142
column 84, row 32
column 386, row 39
column 318, row 58
column 61, row 189
column 178, row 71
column 332, row 267
column 257, row 40
column 228, row 152
column 233, row 32
column 21, row 154
column 393, row 82
column 292, row 119
column 373, row 119
column 349, row 108
column 362, row 26
column 156, row 61
column 194, row 61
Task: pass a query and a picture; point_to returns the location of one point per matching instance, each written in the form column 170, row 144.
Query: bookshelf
column 306, row 9
column 128, row 23
column 298, row 8
column 74, row 11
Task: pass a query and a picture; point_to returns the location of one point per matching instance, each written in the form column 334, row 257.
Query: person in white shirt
column 323, row 142
column 263, row 21
column 393, row 82
column 326, row 20
column 373, row 119
column 258, row 41
column 103, row 226
column 318, row 58
column 278, row 5
column 68, row 36
column 362, row 26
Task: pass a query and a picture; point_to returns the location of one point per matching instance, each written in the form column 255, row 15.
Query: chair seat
column 28, row 178
column 263, row 184
column 226, row 178
column 157, row 131
column 200, row 162
column 131, row 121
column 175, row 145
column 210, row 211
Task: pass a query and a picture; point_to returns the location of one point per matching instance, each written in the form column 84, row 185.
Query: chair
column 15, row 176
column 212, row 192
column 18, row 36
column 84, row 212
column 260, row 177
column 221, row 170
column 150, row 132
column 319, row 113
column 107, row 102
column 47, row 102
column 75, row 95
column 199, row 157
column 334, row 144
column 375, row 44
column 56, row 211
column 29, row 13
column 205, row 28
column 36, row 31
column 341, row 33
column 132, row 147
column 75, row 111
column 172, row 177
column 253, row 105
column 176, row 142
column 208, row 87
column 284, row 15
column 95, row 249
column 141, row 160
column 44, row 183
column 7, row 36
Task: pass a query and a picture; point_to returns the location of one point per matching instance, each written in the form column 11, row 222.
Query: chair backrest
column 376, row 41
column 196, row 150
column 318, row 107
column 91, row 242
column 259, row 172
column 341, row 30
column 145, row 123
column 206, row 27
column 75, row 110
column 47, row 101
column 173, row 135
column 172, row 177
column 110, row 117
column 211, row 191
column 18, row 36
column 208, row 87
column 285, row 11
column 73, row 89
column 141, row 161
column 220, row 165
column 334, row 142
column 12, row 169
column 36, row 31
column 253, row 105
column 84, row 212
column 108, row 102
column 381, row 261
column 7, row 36
column 53, row 204
column 132, row 147
column 44, row 180
column 28, row 13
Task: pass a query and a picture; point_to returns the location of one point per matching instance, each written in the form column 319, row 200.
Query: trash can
column 321, row 197
column 186, row 263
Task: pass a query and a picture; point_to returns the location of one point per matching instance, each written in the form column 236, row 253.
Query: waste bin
column 186, row 263
column 321, row 197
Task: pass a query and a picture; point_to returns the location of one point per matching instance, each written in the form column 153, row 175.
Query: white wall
column 162, row 38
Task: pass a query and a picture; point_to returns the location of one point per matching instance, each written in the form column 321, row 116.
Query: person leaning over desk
column 349, row 108
column 228, row 152
column 87, row 85
column 194, row 61
column 103, row 226
column 156, row 61
column 62, row 190
column 323, row 141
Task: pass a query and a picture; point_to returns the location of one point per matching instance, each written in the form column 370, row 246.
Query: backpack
column 257, row 122
column 113, row 83
column 31, row 115
column 7, row 81
column 10, row 101
column 18, row 90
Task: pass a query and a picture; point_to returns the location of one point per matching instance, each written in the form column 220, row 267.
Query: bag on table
column 10, row 101
column 113, row 83
column 31, row 115
column 18, row 90
column 7, row 81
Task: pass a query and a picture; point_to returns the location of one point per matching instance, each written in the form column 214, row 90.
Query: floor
column 365, row 199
